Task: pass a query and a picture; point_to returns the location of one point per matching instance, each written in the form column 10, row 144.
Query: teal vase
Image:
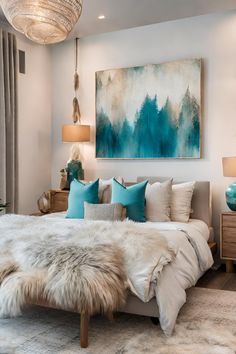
column 231, row 196
column 74, row 171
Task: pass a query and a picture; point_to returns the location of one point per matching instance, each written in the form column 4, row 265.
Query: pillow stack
column 167, row 202
column 105, row 189
column 79, row 194
column 109, row 212
column 181, row 201
column 157, row 202
column 132, row 198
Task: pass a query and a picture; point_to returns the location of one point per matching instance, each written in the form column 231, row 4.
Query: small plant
column 3, row 206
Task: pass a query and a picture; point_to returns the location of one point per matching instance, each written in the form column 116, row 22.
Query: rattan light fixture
column 43, row 21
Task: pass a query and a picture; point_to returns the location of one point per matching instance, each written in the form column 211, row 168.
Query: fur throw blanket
column 81, row 267
column 90, row 279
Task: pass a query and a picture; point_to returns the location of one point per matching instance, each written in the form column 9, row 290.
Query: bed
column 192, row 260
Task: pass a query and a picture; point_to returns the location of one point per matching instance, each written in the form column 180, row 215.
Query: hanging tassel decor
column 76, row 110
column 76, row 107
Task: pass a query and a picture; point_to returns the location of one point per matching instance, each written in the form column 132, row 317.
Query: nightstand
column 58, row 200
column 228, row 239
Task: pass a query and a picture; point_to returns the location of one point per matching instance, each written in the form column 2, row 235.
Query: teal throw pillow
column 80, row 193
column 133, row 198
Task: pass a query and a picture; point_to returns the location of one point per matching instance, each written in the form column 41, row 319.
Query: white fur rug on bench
column 206, row 325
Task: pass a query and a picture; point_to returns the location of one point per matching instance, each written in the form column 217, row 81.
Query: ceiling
column 123, row 14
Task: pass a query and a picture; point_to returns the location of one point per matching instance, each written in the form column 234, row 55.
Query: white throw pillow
column 104, row 192
column 158, row 201
column 181, row 201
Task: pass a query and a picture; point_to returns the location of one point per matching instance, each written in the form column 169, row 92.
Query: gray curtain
column 8, row 120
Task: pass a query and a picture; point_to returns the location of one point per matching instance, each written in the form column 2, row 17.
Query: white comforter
column 193, row 257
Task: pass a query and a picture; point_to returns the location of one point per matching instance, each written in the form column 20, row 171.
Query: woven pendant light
column 43, row 21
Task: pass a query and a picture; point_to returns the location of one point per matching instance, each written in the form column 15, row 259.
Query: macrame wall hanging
column 76, row 107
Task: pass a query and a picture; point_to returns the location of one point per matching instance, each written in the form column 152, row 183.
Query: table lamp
column 229, row 169
column 75, row 134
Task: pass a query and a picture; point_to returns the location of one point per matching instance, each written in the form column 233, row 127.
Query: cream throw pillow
column 158, row 199
column 104, row 192
column 181, row 201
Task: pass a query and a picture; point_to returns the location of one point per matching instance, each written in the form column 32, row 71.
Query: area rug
column 206, row 325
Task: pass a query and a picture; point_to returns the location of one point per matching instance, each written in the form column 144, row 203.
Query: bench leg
column 84, row 324
column 155, row 320
column 229, row 266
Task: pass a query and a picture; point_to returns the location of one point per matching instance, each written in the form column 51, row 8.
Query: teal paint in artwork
column 162, row 125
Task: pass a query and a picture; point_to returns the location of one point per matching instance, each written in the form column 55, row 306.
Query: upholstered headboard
column 201, row 202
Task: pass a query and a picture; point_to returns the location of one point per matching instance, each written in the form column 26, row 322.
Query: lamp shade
column 229, row 166
column 75, row 133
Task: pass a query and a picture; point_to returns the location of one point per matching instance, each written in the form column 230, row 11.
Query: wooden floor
column 218, row 279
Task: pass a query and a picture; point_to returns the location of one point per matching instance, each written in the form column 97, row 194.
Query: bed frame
column 201, row 205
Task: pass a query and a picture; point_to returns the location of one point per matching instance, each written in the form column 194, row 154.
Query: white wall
column 211, row 37
column 34, row 123
column 34, row 130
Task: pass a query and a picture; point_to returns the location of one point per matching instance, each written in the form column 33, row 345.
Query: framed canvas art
column 151, row 111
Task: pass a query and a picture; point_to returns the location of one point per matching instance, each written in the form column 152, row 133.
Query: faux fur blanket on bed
column 88, row 279
column 80, row 267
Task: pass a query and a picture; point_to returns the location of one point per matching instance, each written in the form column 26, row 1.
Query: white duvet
column 146, row 279
column 192, row 260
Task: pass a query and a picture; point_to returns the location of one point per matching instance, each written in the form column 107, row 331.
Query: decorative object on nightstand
column 74, row 167
column 75, row 133
column 228, row 239
column 44, row 203
column 64, row 184
column 229, row 168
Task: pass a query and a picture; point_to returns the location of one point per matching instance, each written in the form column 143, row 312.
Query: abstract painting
column 151, row 111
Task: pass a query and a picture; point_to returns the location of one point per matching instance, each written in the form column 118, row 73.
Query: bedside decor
column 44, row 203
column 74, row 167
column 75, row 133
column 229, row 168
column 43, row 22
column 151, row 111
column 64, row 184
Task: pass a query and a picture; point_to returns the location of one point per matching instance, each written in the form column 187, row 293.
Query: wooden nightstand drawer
column 229, row 250
column 58, row 200
column 229, row 220
column 229, row 234
column 228, row 239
